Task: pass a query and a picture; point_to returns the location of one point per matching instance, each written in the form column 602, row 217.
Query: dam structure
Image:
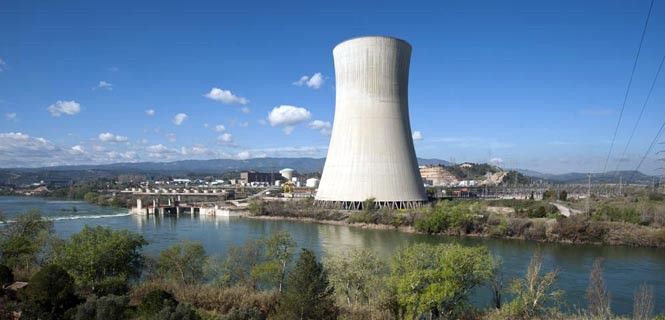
column 371, row 153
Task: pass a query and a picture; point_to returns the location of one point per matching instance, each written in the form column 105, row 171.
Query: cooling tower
column 371, row 152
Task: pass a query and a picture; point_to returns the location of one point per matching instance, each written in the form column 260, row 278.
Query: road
column 564, row 210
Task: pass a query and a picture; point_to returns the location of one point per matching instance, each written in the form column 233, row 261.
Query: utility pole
column 588, row 196
column 620, row 184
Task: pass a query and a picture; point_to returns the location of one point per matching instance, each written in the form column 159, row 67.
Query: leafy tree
column 239, row 263
column 436, row 280
column 563, row 195
column 23, row 242
column 50, row 294
column 101, row 260
column 110, row 307
column 182, row 262
column 279, row 252
column 355, row 275
column 181, row 311
column 534, row 296
column 308, row 293
column 6, row 276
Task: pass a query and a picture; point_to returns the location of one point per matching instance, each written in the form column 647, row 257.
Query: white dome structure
column 371, row 153
column 287, row 173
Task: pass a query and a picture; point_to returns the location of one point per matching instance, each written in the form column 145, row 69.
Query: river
column 625, row 268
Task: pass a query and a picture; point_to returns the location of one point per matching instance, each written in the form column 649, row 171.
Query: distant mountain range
column 219, row 166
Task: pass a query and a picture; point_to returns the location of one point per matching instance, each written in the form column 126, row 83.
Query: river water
column 625, row 268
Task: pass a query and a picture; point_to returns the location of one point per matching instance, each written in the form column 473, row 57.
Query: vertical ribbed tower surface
column 371, row 152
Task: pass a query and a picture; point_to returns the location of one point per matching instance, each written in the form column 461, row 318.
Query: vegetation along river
column 625, row 268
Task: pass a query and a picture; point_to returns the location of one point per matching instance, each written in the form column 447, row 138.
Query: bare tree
column 598, row 298
column 643, row 303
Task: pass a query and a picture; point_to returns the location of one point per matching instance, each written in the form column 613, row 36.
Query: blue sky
column 530, row 84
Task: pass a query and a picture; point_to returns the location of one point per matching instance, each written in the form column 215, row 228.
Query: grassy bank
column 517, row 219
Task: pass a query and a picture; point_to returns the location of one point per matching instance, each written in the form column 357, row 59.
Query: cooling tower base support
column 359, row 205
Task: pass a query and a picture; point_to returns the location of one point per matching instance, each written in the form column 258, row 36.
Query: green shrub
column 155, row 301
column 110, row 307
column 611, row 213
column 50, row 294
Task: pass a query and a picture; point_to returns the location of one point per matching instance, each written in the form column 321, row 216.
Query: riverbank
column 472, row 219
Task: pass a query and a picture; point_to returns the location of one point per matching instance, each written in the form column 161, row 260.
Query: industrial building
column 371, row 153
column 248, row 177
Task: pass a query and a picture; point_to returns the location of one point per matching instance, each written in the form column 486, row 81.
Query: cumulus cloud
column 150, row 112
column 20, row 149
column 225, row 138
column 314, row 82
column 225, row 96
column 3, row 65
column 220, row 128
column 77, row 149
column 110, row 137
column 64, row 107
column 323, row 126
column 179, row 118
column 417, row 136
column 104, row 85
column 11, row 116
column 245, row 110
column 171, row 137
column 243, row 155
column 288, row 116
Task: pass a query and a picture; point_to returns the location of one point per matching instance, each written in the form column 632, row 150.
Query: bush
column 109, row 307
column 610, row 213
column 155, row 301
column 6, row 276
column 50, row 294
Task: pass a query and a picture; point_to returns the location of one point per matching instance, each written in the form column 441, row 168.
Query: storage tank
column 371, row 153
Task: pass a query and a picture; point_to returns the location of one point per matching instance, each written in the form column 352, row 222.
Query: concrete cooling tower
column 371, row 152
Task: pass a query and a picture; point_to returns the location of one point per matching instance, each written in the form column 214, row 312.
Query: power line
column 630, row 83
column 648, row 151
column 653, row 84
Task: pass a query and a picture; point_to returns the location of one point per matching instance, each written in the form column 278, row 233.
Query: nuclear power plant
column 371, row 152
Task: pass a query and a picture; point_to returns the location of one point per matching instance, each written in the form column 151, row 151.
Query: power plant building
column 371, row 153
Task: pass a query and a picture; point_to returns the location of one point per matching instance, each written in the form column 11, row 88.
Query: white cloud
column 77, row 149
column 323, row 126
column 243, row 155
column 225, row 96
column 3, row 65
column 179, row 118
column 220, row 128
column 150, row 112
column 417, row 136
column 11, row 116
column 245, row 110
column 64, row 107
column 244, row 124
column 225, row 138
column 171, row 137
column 104, row 85
column 288, row 116
column 314, row 82
column 110, row 137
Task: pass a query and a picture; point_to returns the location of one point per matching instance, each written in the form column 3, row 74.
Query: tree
column 563, row 195
column 436, row 280
column 534, row 296
column 50, row 294
column 239, row 263
column 279, row 252
column 154, row 301
column 23, row 242
column 598, row 298
column 102, row 260
column 355, row 275
column 110, row 307
column 308, row 293
column 182, row 262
